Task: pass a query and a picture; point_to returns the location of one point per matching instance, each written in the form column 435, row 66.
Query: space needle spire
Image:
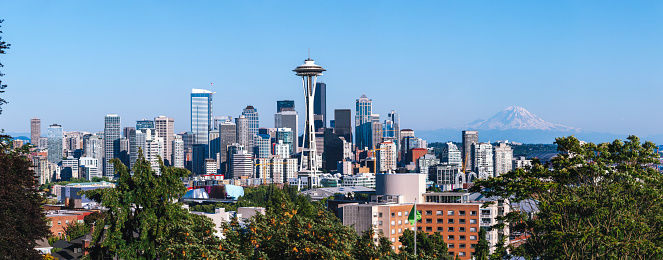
column 309, row 72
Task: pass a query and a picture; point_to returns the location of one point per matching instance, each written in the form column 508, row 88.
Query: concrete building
column 376, row 131
column 251, row 114
column 242, row 165
column 502, row 161
column 448, row 176
column 242, row 131
column 387, row 157
column 154, row 150
column 210, row 166
column 482, row 155
column 35, row 131
column 178, row 152
column 361, row 179
column 521, row 162
column 451, row 154
column 55, row 139
column 165, row 127
column 409, row 186
column 425, row 162
column 282, row 150
column 111, row 136
column 469, row 138
column 285, row 136
column 227, row 136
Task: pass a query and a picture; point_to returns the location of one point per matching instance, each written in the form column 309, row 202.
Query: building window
column 67, row 222
column 451, row 237
column 473, row 221
column 393, row 239
column 485, row 221
column 429, row 229
column 428, row 220
column 439, row 229
column 59, row 233
column 461, row 213
column 380, row 222
column 393, row 231
column 439, row 220
column 473, row 246
column 400, row 214
column 461, row 221
column 452, row 254
column 485, row 212
column 461, row 245
column 450, row 229
column 450, row 221
column 380, row 215
column 461, row 253
column 418, row 228
column 473, row 213
column 393, row 214
column 461, row 229
column 429, row 212
column 473, row 229
column 375, row 214
column 461, row 237
column 400, row 231
column 393, row 222
column 438, row 212
column 450, row 213
column 406, row 213
column 473, row 237
column 400, row 222
column 451, row 245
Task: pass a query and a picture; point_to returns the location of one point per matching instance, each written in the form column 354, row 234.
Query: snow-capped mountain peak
column 515, row 117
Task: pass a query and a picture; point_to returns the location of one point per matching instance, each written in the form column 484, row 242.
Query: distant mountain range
column 519, row 125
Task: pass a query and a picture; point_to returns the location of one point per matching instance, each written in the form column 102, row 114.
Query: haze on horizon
column 585, row 64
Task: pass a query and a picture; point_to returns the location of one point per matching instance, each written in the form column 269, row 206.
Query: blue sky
column 595, row 65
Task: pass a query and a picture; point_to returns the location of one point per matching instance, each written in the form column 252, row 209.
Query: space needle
column 309, row 72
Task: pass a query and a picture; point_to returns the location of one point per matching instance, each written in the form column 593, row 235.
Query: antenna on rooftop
column 309, row 53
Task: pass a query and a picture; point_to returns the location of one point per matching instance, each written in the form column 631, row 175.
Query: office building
column 201, row 117
column 35, row 131
column 144, row 124
column 55, row 137
column 284, row 135
column 376, row 131
column 227, row 136
column 220, row 119
column 126, row 131
column 214, row 144
column 124, row 147
column 343, row 123
column 111, row 135
column 198, row 159
column 242, row 131
column 282, row 150
column 425, row 162
column 137, row 142
column 285, row 105
column 242, row 165
column 521, row 162
column 320, row 104
column 165, row 127
column 469, row 139
column 154, row 147
column 251, row 114
column 502, row 161
column 289, row 119
column 394, row 128
column 261, row 146
column 178, row 152
column 482, row 155
column 363, row 123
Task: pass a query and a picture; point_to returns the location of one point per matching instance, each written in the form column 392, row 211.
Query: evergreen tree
column 429, row 246
column 482, row 250
column 22, row 218
column 143, row 220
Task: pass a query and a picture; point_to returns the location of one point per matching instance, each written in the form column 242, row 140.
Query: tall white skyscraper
column 35, row 131
column 251, row 114
column 165, row 129
column 242, row 124
column 178, row 152
column 111, row 135
column 482, row 154
column 503, row 159
column 387, row 157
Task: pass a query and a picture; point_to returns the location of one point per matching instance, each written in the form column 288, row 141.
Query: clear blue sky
column 596, row 65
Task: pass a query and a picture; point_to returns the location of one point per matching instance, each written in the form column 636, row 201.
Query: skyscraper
column 363, row 122
column 395, row 128
column 35, row 131
column 262, row 148
column 285, row 105
column 55, row 137
column 227, row 136
column 343, row 123
column 450, row 154
column 320, row 104
column 242, row 124
column 289, row 119
column 178, row 152
column 165, row 127
column 469, row 138
column 251, row 114
column 376, row 131
column 137, row 141
column 111, row 137
column 482, row 154
column 201, row 115
column 284, row 134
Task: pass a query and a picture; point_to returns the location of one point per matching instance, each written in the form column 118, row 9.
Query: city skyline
column 576, row 64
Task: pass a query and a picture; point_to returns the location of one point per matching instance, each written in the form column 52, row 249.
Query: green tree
column 76, row 229
column 143, row 220
column 22, row 218
column 593, row 201
column 3, row 47
column 429, row 246
column 482, row 250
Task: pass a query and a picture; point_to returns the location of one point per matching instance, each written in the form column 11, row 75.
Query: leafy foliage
column 144, row 222
column 429, row 246
column 76, row 229
column 482, row 250
column 22, row 219
column 600, row 201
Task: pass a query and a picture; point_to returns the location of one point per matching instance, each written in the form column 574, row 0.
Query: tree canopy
column 593, row 201
column 143, row 220
column 3, row 47
column 22, row 218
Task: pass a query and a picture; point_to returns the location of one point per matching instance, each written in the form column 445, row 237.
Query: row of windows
column 430, row 212
column 439, row 221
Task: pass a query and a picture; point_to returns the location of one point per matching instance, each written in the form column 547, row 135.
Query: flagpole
column 415, row 228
